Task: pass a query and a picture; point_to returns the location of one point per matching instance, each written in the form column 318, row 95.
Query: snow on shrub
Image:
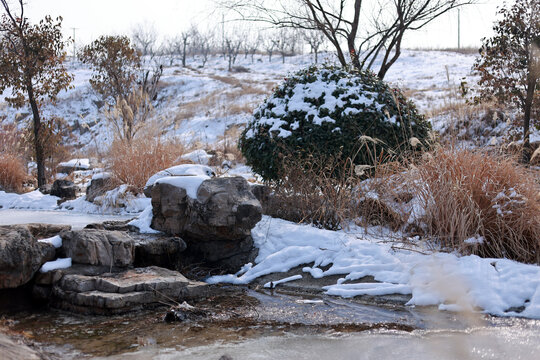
column 327, row 111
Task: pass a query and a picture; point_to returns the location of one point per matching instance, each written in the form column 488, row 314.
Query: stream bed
column 260, row 324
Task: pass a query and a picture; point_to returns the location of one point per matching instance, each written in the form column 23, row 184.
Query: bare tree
column 315, row 40
column 144, row 37
column 283, row 43
column 233, row 43
column 169, row 49
column 269, row 44
column 359, row 30
column 204, row 43
column 251, row 44
column 31, row 65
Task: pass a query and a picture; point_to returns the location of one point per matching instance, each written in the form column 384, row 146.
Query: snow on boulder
column 62, row 263
column 198, row 157
column 68, row 167
column 190, row 184
column 55, row 241
column 179, row 170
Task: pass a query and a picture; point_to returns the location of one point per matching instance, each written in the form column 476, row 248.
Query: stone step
column 125, row 291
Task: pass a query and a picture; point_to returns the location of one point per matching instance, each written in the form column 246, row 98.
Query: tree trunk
column 531, row 84
column 184, row 55
column 38, row 146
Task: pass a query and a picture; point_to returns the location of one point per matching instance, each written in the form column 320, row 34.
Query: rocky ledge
column 86, row 290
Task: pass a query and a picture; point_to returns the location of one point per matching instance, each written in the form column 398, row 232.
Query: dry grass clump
column 480, row 204
column 12, row 169
column 12, row 172
column 310, row 193
column 132, row 163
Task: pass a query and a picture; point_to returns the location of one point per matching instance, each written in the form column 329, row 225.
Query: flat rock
column 42, row 231
column 125, row 291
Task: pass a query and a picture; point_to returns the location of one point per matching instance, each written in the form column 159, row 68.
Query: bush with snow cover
column 327, row 111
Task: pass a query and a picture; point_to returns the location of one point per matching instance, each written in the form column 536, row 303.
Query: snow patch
column 76, row 163
column 446, row 280
column 62, row 263
column 143, row 221
column 55, row 241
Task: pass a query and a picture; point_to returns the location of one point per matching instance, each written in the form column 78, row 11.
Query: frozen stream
column 419, row 345
column 261, row 324
column 76, row 220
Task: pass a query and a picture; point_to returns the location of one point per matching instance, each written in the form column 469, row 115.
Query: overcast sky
column 92, row 18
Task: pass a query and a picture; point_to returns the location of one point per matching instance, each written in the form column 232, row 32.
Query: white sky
column 93, row 18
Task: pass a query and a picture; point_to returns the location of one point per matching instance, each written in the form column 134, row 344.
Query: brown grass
column 12, row 172
column 467, row 194
column 133, row 163
column 309, row 193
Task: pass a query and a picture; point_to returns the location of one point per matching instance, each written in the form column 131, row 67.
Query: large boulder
column 64, row 189
column 214, row 219
column 224, row 209
column 21, row 255
column 99, row 247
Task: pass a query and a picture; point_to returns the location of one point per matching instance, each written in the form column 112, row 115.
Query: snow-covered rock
column 178, row 170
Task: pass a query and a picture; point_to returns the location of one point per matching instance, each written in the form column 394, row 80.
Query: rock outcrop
column 165, row 252
column 98, row 247
column 216, row 224
column 21, row 255
column 134, row 289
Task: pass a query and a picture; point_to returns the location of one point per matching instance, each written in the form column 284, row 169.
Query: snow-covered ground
column 450, row 281
column 199, row 105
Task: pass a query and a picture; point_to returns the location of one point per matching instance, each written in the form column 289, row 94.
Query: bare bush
column 309, row 193
column 129, row 114
column 12, row 172
column 133, row 163
column 481, row 204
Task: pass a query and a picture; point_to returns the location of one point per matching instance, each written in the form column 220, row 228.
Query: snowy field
column 200, row 105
